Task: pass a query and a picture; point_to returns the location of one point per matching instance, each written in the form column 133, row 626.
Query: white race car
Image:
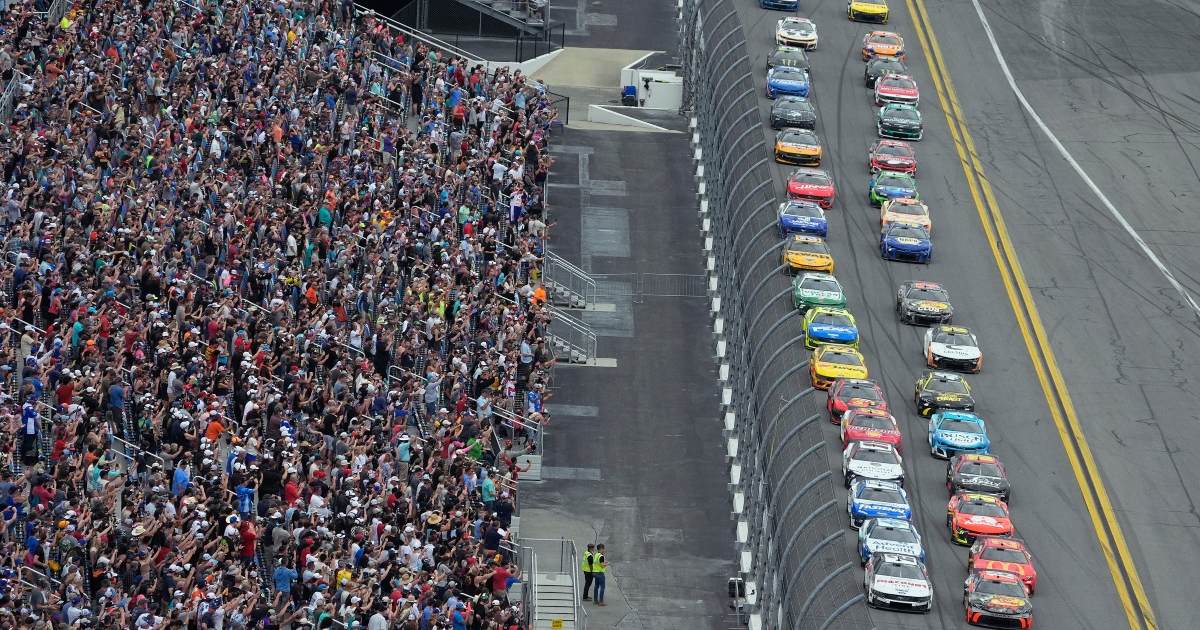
column 888, row 535
column 952, row 348
column 796, row 31
column 871, row 460
column 898, row 581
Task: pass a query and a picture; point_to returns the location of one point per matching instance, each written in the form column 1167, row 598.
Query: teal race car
column 813, row 289
column 892, row 185
column 899, row 121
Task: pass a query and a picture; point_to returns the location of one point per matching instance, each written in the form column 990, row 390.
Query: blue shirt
column 533, row 401
column 459, row 621
column 283, row 579
column 116, row 396
column 245, row 499
column 180, row 482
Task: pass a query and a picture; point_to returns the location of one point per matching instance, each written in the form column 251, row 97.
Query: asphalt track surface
column 1118, row 330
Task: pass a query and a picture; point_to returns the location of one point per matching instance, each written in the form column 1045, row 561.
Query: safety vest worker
column 588, row 563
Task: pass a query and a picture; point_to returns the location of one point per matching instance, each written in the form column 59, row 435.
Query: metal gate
column 638, row 286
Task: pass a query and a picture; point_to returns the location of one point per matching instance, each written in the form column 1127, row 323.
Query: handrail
column 379, row 54
column 422, row 37
column 575, row 334
column 574, row 284
column 18, row 319
column 136, row 448
column 512, row 420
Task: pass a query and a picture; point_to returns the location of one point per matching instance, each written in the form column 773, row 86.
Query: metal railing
column 794, row 558
column 566, row 284
column 58, row 8
column 552, row 558
column 572, row 337
column 8, row 101
column 519, row 425
column 413, row 34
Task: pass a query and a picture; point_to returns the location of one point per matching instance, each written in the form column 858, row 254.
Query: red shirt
column 291, row 493
column 64, row 393
column 249, row 536
column 500, row 579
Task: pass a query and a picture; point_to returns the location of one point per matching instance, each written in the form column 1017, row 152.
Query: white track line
column 1079, row 169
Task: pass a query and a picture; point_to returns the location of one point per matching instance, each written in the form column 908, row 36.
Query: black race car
column 997, row 599
column 923, row 304
column 899, row 121
column 789, row 56
column 793, row 111
column 879, row 66
column 978, row 473
column 938, row 391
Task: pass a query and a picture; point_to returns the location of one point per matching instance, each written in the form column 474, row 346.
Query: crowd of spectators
column 273, row 342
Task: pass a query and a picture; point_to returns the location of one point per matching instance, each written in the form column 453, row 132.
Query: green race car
column 899, row 121
column 892, row 185
column 814, row 289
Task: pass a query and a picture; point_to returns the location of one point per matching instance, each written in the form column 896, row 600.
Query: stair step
column 553, row 580
column 546, row 624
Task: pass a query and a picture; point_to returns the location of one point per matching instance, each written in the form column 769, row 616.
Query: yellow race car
column 833, row 361
column 867, row 11
column 798, row 146
column 907, row 211
column 804, row 252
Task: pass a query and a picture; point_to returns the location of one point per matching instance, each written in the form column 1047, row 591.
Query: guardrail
column 571, row 336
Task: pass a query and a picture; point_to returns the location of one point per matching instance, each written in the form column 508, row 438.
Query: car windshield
column 802, row 210
column 804, row 27
column 953, row 338
column 885, row 40
column 890, row 179
column 894, row 534
column 796, row 136
column 907, row 208
column 897, row 570
column 895, row 150
column 1004, row 554
column 983, row 508
column 833, row 319
column 807, row 247
column 899, row 82
column 982, row 469
column 1001, row 587
column 821, row 284
column 903, row 114
column 948, row 386
column 872, row 421
column 791, row 74
column 855, row 390
column 933, row 295
column 906, row 231
column 842, row 358
column 795, row 106
column 816, row 179
column 878, row 456
column 961, row 426
column 881, row 495
column 789, row 58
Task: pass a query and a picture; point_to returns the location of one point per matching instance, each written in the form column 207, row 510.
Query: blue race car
column 785, row 80
column 825, row 324
column 888, row 535
column 802, row 217
column 891, row 185
column 899, row 241
column 954, row 432
column 870, row 498
column 785, row 5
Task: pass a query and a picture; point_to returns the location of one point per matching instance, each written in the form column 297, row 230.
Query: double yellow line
column 1116, row 552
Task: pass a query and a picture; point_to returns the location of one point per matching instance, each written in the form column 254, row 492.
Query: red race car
column 847, row 393
column 896, row 88
column 867, row 423
column 1003, row 554
column 893, row 155
column 811, row 184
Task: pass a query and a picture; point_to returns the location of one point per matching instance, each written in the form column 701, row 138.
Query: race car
column 832, row 361
column 896, row 581
column 817, row 289
column 923, row 304
column 882, row 44
column 888, row 535
column 784, row 5
column 793, row 111
column 905, row 211
column 906, row 242
column 952, row 348
column 810, row 184
column 892, row 155
column 796, row 31
column 997, row 599
column 829, row 325
column 876, row 499
column 852, row 393
column 881, row 66
column 784, row 80
column 806, row 252
column 899, row 121
column 937, row 391
column 891, row 185
column 789, row 56
column 1003, row 554
column 873, row 425
column 802, row 217
column 969, row 516
column 798, row 146
column 872, row 460
column 954, row 432
column 978, row 474
column 897, row 88
column 867, row 11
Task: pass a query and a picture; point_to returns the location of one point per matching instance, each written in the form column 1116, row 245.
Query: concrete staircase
column 515, row 13
column 554, row 599
column 535, row 467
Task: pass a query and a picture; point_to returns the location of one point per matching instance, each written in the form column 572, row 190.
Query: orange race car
column 1003, row 554
column 907, row 211
column 972, row 515
column 869, row 424
column 882, row 44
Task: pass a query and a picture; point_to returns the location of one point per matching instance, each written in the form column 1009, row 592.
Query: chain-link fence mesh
column 800, row 570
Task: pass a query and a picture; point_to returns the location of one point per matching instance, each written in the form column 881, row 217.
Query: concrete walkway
column 591, row 76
